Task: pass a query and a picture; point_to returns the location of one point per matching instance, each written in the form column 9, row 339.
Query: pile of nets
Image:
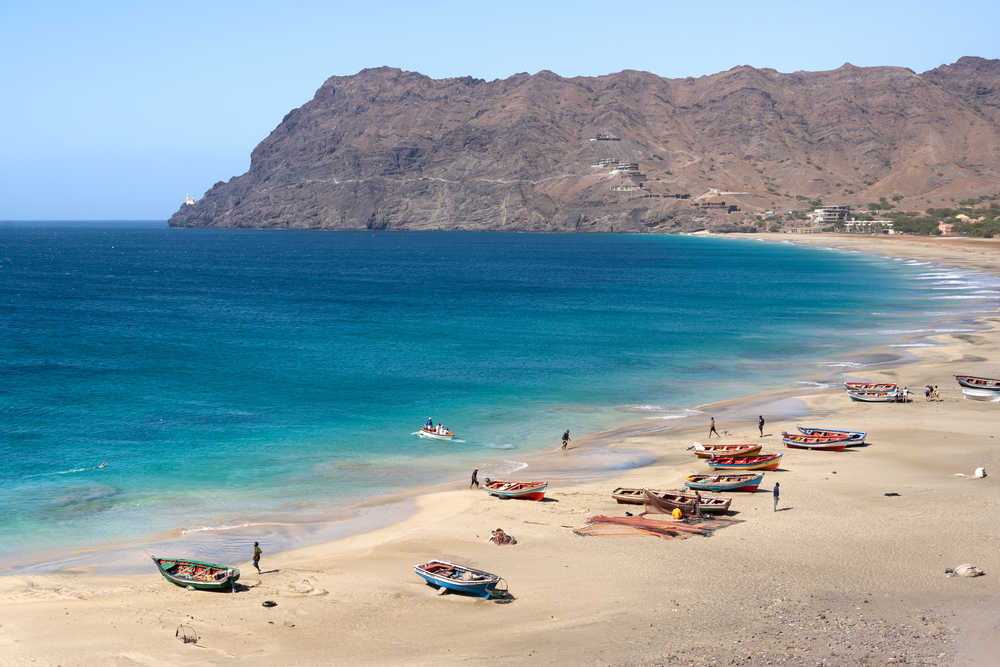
column 630, row 526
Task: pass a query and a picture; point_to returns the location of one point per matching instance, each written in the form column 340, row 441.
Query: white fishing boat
column 432, row 432
column 982, row 394
column 875, row 396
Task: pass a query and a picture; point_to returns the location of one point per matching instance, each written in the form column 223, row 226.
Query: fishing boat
column 520, row 490
column 460, row 578
column 725, row 482
column 435, row 434
column 628, row 496
column 827, row 443
column 756, row 462
column 874, row 396
column 193, row 573
column 666, row 502
column 871, row 386
column 982, row 394
column 704, row 451
column 856, row 437
column 973, row 382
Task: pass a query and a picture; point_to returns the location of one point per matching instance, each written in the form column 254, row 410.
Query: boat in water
column 665, row 502
column 196, row 574
column 704, row 451
column 756, row 462
column 435, row 433
column 823, row 442
column 725, row 482
column 460, row 578
column 973, row 382
column 871, row 386
column 519, row 490
column 856, row 437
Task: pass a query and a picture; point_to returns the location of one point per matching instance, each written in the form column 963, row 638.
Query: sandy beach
column 842, row 574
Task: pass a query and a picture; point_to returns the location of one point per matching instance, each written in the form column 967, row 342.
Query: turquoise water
column 232, row 376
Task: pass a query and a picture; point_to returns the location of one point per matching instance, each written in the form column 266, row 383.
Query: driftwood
column 626, row 526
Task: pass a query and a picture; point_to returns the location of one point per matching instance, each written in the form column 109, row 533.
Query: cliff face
column 387, row 149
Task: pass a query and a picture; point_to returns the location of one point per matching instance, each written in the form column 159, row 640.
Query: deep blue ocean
column 227, row 376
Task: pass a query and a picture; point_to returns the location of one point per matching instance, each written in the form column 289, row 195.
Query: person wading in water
column 565, row 439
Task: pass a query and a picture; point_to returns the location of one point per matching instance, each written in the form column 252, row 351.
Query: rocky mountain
column 388, row 149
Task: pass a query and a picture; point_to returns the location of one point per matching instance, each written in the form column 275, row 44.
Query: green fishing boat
column 193, row 573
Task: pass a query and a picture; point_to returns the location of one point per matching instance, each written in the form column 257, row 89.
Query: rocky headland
column 388, row 149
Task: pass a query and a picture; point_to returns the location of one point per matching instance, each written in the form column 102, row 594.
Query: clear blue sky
column 116, row 110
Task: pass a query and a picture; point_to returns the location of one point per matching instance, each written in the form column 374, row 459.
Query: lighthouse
column 187, row 200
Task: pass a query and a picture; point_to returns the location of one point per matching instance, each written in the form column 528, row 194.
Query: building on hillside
column 604, row 136
column 867, row 226
column 946, row 228
column 830, row 214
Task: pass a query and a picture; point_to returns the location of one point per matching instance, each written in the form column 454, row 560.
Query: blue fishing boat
column 724, row 482
column 460, row 578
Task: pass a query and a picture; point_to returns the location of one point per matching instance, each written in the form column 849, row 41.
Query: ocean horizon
column 163, row 382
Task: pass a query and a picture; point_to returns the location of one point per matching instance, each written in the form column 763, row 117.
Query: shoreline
column 340, row 575
column 393, row 507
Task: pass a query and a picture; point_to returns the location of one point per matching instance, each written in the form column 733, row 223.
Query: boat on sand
column 666, row 502
column 856, row 437
column 973, row 382
column 725, row 482
column 196, row 574
column 756, row 462
column 629, row 496
column 519, row 490
column 459, row 578
column 874, row 396
column 705, row 451
column 871, row 386
column 982, row 394
column 828, row 443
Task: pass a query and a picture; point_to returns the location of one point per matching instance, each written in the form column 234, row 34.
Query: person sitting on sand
column 498, row 537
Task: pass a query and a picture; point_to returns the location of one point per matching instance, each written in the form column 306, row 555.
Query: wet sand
column 843, row 574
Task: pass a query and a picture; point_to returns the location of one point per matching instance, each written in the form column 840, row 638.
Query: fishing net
column 186, row 634
column 634, row 526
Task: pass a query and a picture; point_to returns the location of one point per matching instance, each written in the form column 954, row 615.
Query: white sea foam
column 958, row 296
column 821, row 385
column 494, row 445
column 914, row 262
column 687, row 413
column 643, row 408
column 913, row 345
column 203, row 529
column 937, row 276
column 843, row 364
column 954, row 287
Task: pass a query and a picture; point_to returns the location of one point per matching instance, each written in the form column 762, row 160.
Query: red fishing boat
column 519, row 490
column 704, row 451
column 828, row 443
column 758, row 462
column 856, row 437
column 871, row 386
column 974, row 382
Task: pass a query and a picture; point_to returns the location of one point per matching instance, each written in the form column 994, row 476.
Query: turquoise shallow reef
column 225, row 376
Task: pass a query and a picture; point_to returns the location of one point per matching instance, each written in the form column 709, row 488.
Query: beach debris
column 186, row 634
column 890, row 493
column 979, row 473
column 964, row 570
column 268, row 604
column 620, row 526
column 190, row 587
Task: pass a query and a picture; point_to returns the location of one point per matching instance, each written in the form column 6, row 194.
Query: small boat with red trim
column 460, row 578
column 973, row 382
column 827, row 443
column 435, row 433
column 705, row 451
column 874, row 396
column 196, row 574
column 519, row 490
column 757, row 462
column 871, row 386
column 725, row 482
column 856, row 437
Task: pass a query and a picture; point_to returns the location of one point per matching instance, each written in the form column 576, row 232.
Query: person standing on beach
column 760, row 425
column 565, row 439
column 475, row 478
column 711, row 429
column 776, row 485
column 256, row 556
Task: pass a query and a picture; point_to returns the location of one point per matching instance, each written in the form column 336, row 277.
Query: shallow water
column 229, row 377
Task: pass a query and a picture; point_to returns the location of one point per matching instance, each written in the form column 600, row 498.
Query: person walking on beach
column 565, row 439
column 256, row 556
column 760, row 425
column 711, row 429
column 475, row 478
column 776, row 485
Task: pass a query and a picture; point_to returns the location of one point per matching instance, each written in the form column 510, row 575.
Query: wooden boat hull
column 443, row 574
column 666, row 501
column 517, row 490
column 982, row 394
column 724, row 482
column 855, row 437
column 973, row 382
column 873, row 397
column 703, row 451
column 629, row 496
column 763, row 462
column 824, row 447
column 197, row 574
column 819, row 442
column 871, row 386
